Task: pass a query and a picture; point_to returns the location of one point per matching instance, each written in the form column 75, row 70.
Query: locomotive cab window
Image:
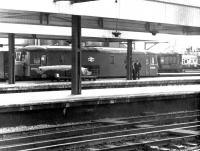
column 18, row 56
column 36, row 60
column 23, row 56
column 43, row 60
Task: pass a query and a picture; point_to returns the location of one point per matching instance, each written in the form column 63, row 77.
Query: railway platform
column 32, row 86
column 107, row 102
column 11, row 102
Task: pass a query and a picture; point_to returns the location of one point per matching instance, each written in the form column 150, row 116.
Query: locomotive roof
column 68, row 48
column 6, row 48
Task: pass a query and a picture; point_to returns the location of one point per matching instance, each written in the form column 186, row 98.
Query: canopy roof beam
column 74, row 1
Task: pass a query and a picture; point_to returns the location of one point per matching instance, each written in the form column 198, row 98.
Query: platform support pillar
column 76, row 54
column 11, row 57
column 129, row 60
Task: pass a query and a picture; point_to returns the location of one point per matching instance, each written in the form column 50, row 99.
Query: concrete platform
column 186, row 73
column 32, row 86
column 11, row 102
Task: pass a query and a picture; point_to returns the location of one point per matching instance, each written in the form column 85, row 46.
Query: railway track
column 177, row 130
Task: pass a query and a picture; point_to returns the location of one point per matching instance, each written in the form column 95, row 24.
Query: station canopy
column 100, row 18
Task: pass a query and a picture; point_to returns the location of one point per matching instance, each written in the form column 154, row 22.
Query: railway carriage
column 189, row 61
column 169, row 62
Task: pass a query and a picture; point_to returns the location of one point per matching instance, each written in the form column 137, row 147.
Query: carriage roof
column 169, row 53
column 91, row 49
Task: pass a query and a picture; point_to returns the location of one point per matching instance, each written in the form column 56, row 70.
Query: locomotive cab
column 3, row 65
column 27, row 65
column 20, row 71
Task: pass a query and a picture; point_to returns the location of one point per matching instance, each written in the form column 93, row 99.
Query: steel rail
column 59, row 133
column 97, row 137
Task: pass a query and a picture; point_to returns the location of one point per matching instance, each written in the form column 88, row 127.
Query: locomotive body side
column 3, row 65
column 103, row 62
column 107, row 63
column 111, row 62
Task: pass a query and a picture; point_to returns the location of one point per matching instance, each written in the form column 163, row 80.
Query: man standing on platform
column 133, row 71
column 137, row 66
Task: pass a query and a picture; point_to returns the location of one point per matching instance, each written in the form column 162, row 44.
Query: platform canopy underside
column 146, row 16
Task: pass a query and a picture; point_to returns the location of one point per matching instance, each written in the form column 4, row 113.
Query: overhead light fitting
column 116, row 33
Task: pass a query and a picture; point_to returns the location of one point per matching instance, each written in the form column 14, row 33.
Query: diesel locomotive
column 34, row 62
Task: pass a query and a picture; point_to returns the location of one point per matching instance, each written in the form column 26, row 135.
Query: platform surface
column 22, row 86
column 17, row 100
column 65, row 95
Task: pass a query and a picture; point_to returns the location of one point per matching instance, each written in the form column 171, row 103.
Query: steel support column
column 11, row 66
column 129, row 60
column 76, row 54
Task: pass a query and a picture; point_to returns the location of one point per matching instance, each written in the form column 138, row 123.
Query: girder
column 75, row 1
column 58, row 32
column 157, row 11
column 63, row 20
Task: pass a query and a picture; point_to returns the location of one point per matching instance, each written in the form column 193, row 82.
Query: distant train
column 190, row 61
column 33, row 62
column 175, row 62
column 169, row 62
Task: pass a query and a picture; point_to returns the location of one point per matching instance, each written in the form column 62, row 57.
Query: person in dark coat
column 137, row 66
column 133, row 71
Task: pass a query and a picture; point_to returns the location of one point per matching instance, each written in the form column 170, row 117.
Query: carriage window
column 185, row 61
column 43, row 60
column 166, row 60
column 20, row 56
column 61, row 59
column 174, row 60
column 170, row 59
column 112, row 60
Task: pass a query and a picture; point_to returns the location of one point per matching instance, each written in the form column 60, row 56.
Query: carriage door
column 153, row 66
column 147, row 65
column 43, row 60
